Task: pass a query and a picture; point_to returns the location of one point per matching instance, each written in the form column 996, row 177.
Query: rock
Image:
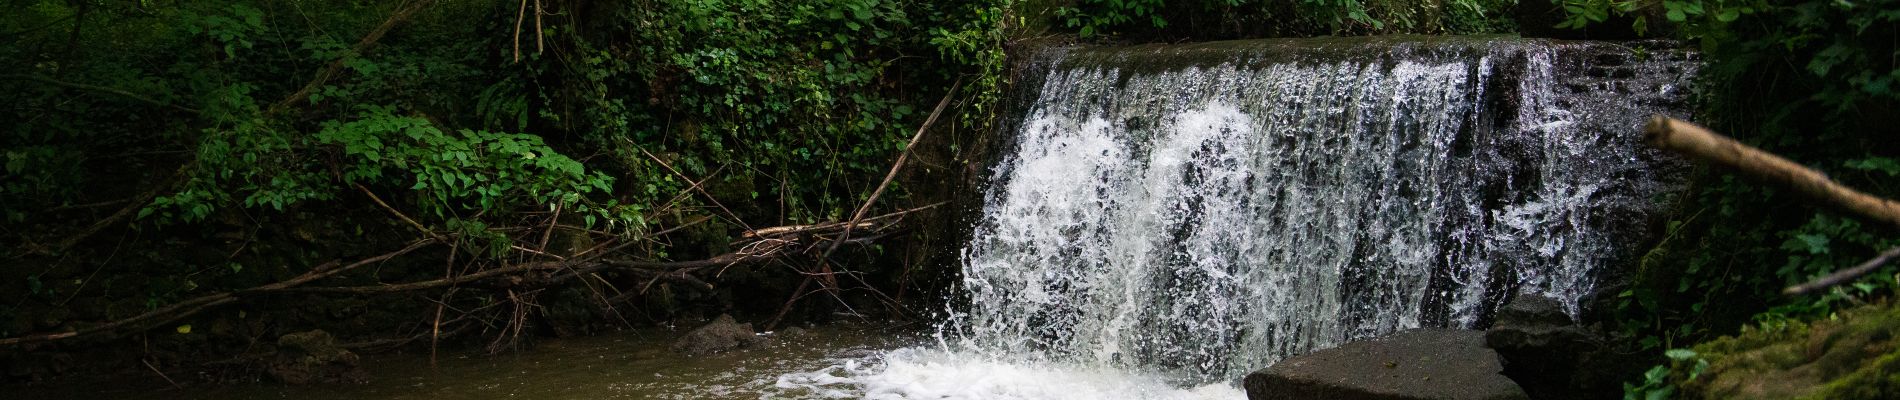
column 722, row 334
column 1426, row 363
column 1549, row 354
column 792, row 332
column 313, row 357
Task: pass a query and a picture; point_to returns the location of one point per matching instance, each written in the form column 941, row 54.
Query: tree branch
column 193, row 306
column 1695, row 141
column 402, row 14
column 1843, row 276
column 101, row 89
column 1698, row 142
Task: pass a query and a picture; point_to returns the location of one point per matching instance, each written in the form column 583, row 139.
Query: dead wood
column 1698, row 142
column 530, row 275
column 335, row 69
column 193, row 306
column 101, row 89
column 1702, row 144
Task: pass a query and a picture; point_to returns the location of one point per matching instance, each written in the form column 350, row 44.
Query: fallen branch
column 193, row 306
column 1695, row 141
column 525, row 275
column 1843, row 276
column 101, row 89
column 866, row 223
column 335, row 68
column 130, row 209
column 824, row 261
column 895, row 166
column 1698, row 142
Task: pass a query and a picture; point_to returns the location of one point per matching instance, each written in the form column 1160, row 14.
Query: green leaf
column 1660, row 394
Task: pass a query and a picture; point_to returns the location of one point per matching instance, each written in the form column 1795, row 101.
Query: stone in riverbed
column 313, row 357
column 722, row 334
column 1550, row 355
column 1425, row 363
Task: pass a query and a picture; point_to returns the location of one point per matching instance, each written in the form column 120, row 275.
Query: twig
column 593, row 261
column 101, row 89
column 702, row 191
column 161, row 374
column 865, row 223
column 87, row 205
column 1843, row 276
column 124, row 213
column 548, row 234
column 399, row 215
column 895, row 166
column 193, row 306
column 787, row 307
column 824, row 263
column 335, row 68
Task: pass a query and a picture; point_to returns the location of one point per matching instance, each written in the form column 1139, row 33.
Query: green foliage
column 597, row 115
column 1811, row 80
column 1660, row 382
column 812, row 97
column 1091, row 16
column 1700, row 19
column 233, row 27
column 468, row 171
column 1259, row 18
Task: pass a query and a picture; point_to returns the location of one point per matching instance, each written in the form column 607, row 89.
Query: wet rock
column 313, row 357
column 792, row 332
column 1548, row 353
column 1427, row 363
column 722, row 334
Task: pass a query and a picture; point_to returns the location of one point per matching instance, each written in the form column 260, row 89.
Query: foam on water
column 927, row 373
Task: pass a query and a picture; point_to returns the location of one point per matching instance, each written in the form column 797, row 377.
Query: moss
column 1879, row 379
column 1850, row 356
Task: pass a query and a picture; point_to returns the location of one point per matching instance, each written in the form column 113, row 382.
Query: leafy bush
column 1226, row 19
column 466, row 118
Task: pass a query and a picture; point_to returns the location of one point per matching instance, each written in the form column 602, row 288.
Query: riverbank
column 635, row 364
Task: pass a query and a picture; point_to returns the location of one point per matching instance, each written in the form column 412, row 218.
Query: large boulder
column 313, row 357
column 1549, row 354
column 722, row 334
column 1426, row 363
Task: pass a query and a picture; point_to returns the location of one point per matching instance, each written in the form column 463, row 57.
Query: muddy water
column 631, row 365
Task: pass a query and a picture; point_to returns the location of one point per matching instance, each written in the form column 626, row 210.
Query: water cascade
column 1195, row 212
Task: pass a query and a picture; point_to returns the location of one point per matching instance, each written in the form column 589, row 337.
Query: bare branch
column 100, row 89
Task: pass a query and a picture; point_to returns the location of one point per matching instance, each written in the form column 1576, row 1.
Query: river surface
column 846, row 361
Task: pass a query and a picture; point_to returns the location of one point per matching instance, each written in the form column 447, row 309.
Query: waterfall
column 1205, row 210
column 1163, row 219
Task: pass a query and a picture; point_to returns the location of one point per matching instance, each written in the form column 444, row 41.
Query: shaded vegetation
column 156, row 152
column 1232, row 19
column 161, row 152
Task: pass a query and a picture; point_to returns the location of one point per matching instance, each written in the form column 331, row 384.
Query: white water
column 1159, row 234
